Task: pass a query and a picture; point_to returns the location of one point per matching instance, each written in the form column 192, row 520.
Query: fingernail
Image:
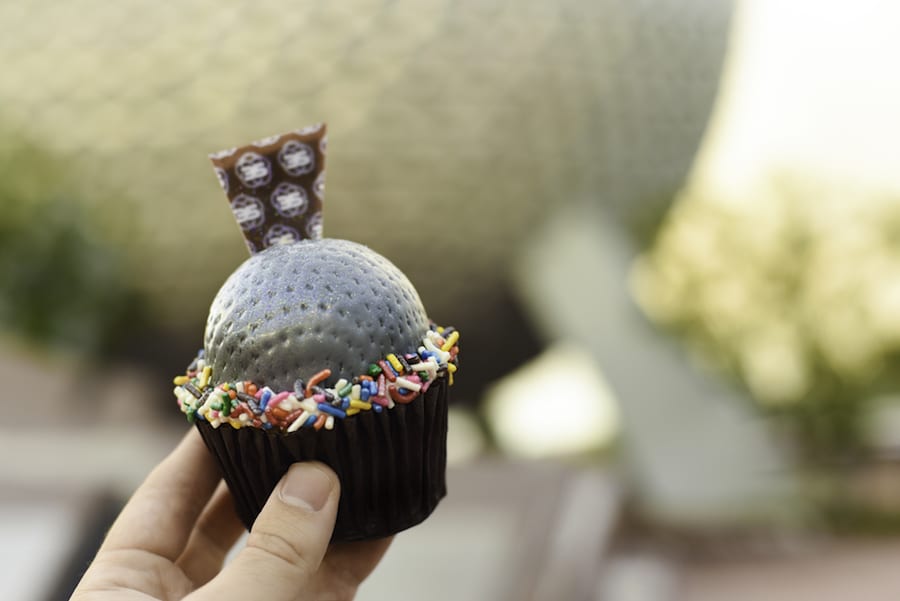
column 306, row 486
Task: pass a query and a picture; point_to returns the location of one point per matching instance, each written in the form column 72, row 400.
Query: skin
column 172, row 537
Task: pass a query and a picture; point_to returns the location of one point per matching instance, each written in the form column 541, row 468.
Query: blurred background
column 668, row 231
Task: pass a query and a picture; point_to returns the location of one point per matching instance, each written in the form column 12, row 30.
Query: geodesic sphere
column 292, row 310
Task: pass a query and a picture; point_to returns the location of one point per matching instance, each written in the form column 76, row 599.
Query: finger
column 346, row 565
column 218, row 528
column 161, row 514
column 287, row 542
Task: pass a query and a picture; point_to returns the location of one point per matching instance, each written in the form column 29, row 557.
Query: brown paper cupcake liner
column 391, row 464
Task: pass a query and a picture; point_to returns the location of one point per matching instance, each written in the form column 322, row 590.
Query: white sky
column 809, row 85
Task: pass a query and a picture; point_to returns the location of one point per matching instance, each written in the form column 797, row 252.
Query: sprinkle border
column 395, row 379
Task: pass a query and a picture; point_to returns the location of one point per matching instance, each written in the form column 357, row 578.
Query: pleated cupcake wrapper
column 391, row 464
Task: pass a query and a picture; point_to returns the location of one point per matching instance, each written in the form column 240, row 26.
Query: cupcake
column 318, row 349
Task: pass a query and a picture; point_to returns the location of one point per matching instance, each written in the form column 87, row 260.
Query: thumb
column 287, row 542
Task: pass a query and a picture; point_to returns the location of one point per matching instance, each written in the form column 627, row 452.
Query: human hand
column 172, row 537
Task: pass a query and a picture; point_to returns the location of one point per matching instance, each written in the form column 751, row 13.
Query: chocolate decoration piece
column 276, row 186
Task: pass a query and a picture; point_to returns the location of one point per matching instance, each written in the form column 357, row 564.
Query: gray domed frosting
column 292, row 310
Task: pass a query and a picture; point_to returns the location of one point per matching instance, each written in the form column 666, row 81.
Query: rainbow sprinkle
column 397, row 378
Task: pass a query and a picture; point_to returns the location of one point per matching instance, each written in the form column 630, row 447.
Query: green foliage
column 793, row 291
column 61, row 280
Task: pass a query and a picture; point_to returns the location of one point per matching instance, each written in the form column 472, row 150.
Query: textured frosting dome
column 290, row 311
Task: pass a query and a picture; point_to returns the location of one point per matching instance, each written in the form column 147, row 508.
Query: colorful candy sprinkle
column 396, row 378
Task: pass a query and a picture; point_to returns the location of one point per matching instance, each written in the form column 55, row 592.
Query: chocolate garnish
column 276, row 186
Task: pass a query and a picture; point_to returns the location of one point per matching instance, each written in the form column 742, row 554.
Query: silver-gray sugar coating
column 292, row 310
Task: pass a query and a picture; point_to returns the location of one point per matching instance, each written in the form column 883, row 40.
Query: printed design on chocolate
column 296, row 158
column 281, row 173
column 289, row 199
column 223, row 178
column 319, row 185
column 248, row 211
column 253, row 170
column 314, row 227
column 323, row 145
column 281, row 234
